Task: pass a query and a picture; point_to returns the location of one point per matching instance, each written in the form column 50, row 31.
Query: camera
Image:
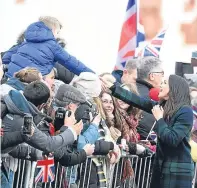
column 28, row 122
column 84, row 111
column 60, row 116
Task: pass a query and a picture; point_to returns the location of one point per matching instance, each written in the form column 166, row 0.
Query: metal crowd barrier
column 113, row 175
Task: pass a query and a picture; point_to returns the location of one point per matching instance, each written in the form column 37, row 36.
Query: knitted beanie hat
column 88, row 83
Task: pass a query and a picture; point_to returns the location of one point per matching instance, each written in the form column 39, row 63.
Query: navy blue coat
column 40, row 50
column 173, row 165
column 118, row 75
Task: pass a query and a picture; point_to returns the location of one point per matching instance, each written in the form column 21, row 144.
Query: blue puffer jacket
column 40, row 50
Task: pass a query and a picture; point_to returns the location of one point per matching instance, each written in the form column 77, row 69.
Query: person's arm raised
column 131, row 98
column 70, row 62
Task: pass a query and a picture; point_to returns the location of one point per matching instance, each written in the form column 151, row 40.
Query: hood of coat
column 38, row 32
column 16, row 84
column 16, row 103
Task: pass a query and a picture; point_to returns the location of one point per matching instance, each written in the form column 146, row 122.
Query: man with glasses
column 150, row 75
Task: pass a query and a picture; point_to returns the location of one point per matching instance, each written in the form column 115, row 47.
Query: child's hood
column 38, row 32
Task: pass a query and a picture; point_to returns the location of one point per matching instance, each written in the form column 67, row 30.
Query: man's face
column 156, row 77
column 129, row 76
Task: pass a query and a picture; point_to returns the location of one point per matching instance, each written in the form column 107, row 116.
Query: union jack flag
column 132, row 33
column 46, row 171
column 153, row 48
column 153, row 136
column 195, row 111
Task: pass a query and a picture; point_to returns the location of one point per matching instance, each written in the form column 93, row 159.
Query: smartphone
column 28, row 121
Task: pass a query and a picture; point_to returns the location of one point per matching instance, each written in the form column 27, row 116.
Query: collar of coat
column 145, row 83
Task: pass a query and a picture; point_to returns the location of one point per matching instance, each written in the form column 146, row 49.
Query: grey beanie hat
column 67, row 94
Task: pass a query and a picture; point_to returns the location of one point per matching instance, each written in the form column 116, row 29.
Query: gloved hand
column 103, row 147
column 146, row 153
column 139, row 149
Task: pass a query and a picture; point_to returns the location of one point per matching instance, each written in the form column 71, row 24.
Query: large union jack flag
column 46, row 170
column 153, row 48
column 132, row 33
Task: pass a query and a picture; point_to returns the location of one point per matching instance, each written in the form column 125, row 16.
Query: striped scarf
column 100, row 162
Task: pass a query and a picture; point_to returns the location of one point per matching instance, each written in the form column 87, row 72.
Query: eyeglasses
column 162, row 72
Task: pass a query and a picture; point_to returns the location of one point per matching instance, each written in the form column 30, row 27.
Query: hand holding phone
column 27, row 125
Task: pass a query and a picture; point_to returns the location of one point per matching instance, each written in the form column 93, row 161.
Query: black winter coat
column 63, row 74
column 147, row 120
column 23, row 151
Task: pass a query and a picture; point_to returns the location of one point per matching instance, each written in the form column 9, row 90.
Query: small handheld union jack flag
column 195, row 111
column 153, row 136
column 46, row 170
column 154, row 47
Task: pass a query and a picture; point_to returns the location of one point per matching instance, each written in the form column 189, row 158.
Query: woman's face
column 164, row 89
column 107, row 102
column 122, row 105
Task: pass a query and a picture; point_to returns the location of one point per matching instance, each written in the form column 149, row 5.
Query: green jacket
column 173, row 165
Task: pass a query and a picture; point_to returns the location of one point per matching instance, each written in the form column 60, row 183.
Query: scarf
column 129, row 125
column 101, row 164
column 115, row 134
column 114, row 131
column 127, row 170
column 129, row 132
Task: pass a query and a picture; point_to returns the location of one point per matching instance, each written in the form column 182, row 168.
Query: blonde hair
column 50, row 22
column 108, row 77
column 98, row 102
column 28, row 75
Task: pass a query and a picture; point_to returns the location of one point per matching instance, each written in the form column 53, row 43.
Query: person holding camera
column 20, row 108
column 67, row 100
column 31, row 102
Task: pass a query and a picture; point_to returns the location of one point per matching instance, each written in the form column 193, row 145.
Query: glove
column 103, row 147
column 146, row 153
column 139, row 149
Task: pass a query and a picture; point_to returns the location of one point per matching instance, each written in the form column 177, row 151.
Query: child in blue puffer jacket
column 40, row 50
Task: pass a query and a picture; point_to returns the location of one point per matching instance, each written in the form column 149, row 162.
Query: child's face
column 56, row 31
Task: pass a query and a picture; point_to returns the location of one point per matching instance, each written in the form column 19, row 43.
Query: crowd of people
column 74, row 113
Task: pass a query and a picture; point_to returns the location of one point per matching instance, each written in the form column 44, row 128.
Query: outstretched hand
column 105, row 84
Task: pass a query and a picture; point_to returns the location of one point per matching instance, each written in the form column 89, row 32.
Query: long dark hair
column 116, row 121
column 179, row 95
